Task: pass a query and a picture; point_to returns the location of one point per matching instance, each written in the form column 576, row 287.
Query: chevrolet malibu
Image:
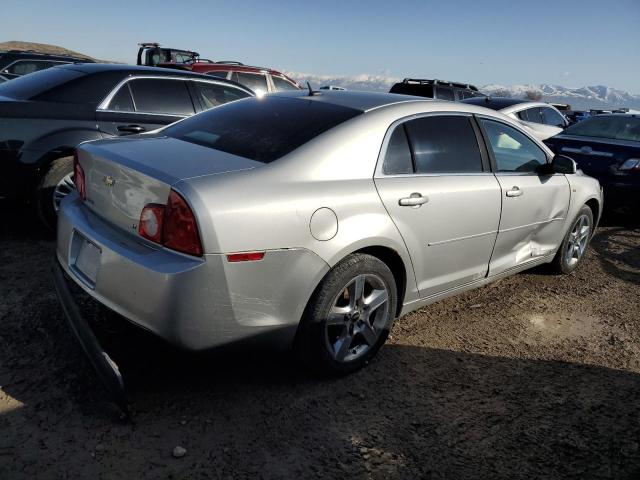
column 314, row 219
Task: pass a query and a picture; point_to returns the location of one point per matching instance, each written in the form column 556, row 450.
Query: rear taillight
column 180, row 230
column 78, row 177
column 151, row 222
column 172, row 225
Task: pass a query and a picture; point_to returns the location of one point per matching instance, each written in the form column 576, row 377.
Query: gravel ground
column 535, row 376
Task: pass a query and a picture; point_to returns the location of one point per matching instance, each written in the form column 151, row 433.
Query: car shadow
column 614, row 245
column 414, row 412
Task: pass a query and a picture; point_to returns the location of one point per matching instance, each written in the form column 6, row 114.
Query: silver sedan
column 314, row 219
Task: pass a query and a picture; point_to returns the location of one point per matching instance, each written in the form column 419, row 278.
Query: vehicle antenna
column 310, row 89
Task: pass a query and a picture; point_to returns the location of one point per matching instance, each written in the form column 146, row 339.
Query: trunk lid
column 595, row 156
column 124, row 175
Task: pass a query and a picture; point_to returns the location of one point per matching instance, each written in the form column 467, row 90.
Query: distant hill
column 42, row 48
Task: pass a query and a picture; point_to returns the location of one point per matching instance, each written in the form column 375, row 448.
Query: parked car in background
column 347, row 198
column 259, row 79
column 15, row 63
column 332, row 87
column 438, row 89
column 543, row 119
column 606, row 147
column 45, row 115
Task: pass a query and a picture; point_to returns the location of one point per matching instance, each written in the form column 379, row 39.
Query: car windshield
column 34, row 84
column 262, row 129
column 621, row 127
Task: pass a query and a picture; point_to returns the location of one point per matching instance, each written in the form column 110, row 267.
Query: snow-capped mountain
column 598, row 96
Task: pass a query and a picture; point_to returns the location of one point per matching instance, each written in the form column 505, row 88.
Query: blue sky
column 571, row 43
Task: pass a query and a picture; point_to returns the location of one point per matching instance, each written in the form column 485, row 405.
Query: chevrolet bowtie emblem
column 109, row 181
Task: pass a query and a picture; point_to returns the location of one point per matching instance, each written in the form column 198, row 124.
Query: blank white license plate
column 88, row 260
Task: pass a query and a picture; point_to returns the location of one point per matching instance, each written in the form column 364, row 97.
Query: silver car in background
column 316, row 218
column 543, row 120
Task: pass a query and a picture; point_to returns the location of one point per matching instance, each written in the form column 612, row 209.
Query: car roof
column 363, row 101
column 89, row 68
column 496, row 103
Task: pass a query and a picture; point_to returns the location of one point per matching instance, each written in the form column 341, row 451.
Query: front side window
column 212, row 94
column 255, row 81
column 154, row 95
column 513, row 151
column 261, row 129
column 551, row 117
column 444, row 144
column 282, row 85
column 397, row 160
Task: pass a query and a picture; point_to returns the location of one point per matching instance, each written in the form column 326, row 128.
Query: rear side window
column 533, row 115
column 444, row 144
column 513, row 151
column 220, row 73
column 212, row 94
column 122, row 101
column 551, row 117
column 397, row 160
column 153, row 95
column 24, row 67
column 254, row 81
column 281, row 84
column 416, row 89
column 445, row 93
column 38, row 83
column 262, row 129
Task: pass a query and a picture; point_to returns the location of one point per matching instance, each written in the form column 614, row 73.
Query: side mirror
column 563, row 164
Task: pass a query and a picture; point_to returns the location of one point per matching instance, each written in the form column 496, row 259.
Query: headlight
column 631, row 164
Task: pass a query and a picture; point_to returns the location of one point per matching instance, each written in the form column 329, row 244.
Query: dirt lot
column 536, row 376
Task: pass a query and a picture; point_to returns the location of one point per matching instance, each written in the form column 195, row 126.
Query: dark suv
column 45, row 115
column 15, row 63
column 258, row 79
column 439, row 89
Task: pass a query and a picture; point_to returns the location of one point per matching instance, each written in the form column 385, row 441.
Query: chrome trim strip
column 461, row 238
column 127, row 112
column 102, row 106
column 557, row 219
column 587, row 152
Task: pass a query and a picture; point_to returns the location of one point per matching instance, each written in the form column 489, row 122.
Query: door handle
column 414, row 200
column 514, row 192
column 130, row 128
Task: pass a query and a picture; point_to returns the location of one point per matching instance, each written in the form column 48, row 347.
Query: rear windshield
column 615, row 127
column 261, row 129
column 34, row 84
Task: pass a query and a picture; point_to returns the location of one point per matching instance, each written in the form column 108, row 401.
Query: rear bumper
column 194, row 303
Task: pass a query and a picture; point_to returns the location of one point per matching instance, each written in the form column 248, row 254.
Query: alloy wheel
column 62, row 189
column 578, row 239
column 357, row 318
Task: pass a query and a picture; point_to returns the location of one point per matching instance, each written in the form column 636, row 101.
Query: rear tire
column 575, row 243
column 348, row 317
column 54, row 186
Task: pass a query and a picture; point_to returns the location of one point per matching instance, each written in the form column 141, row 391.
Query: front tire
column 348, row 317
column 56, row 184
column 575, row 243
